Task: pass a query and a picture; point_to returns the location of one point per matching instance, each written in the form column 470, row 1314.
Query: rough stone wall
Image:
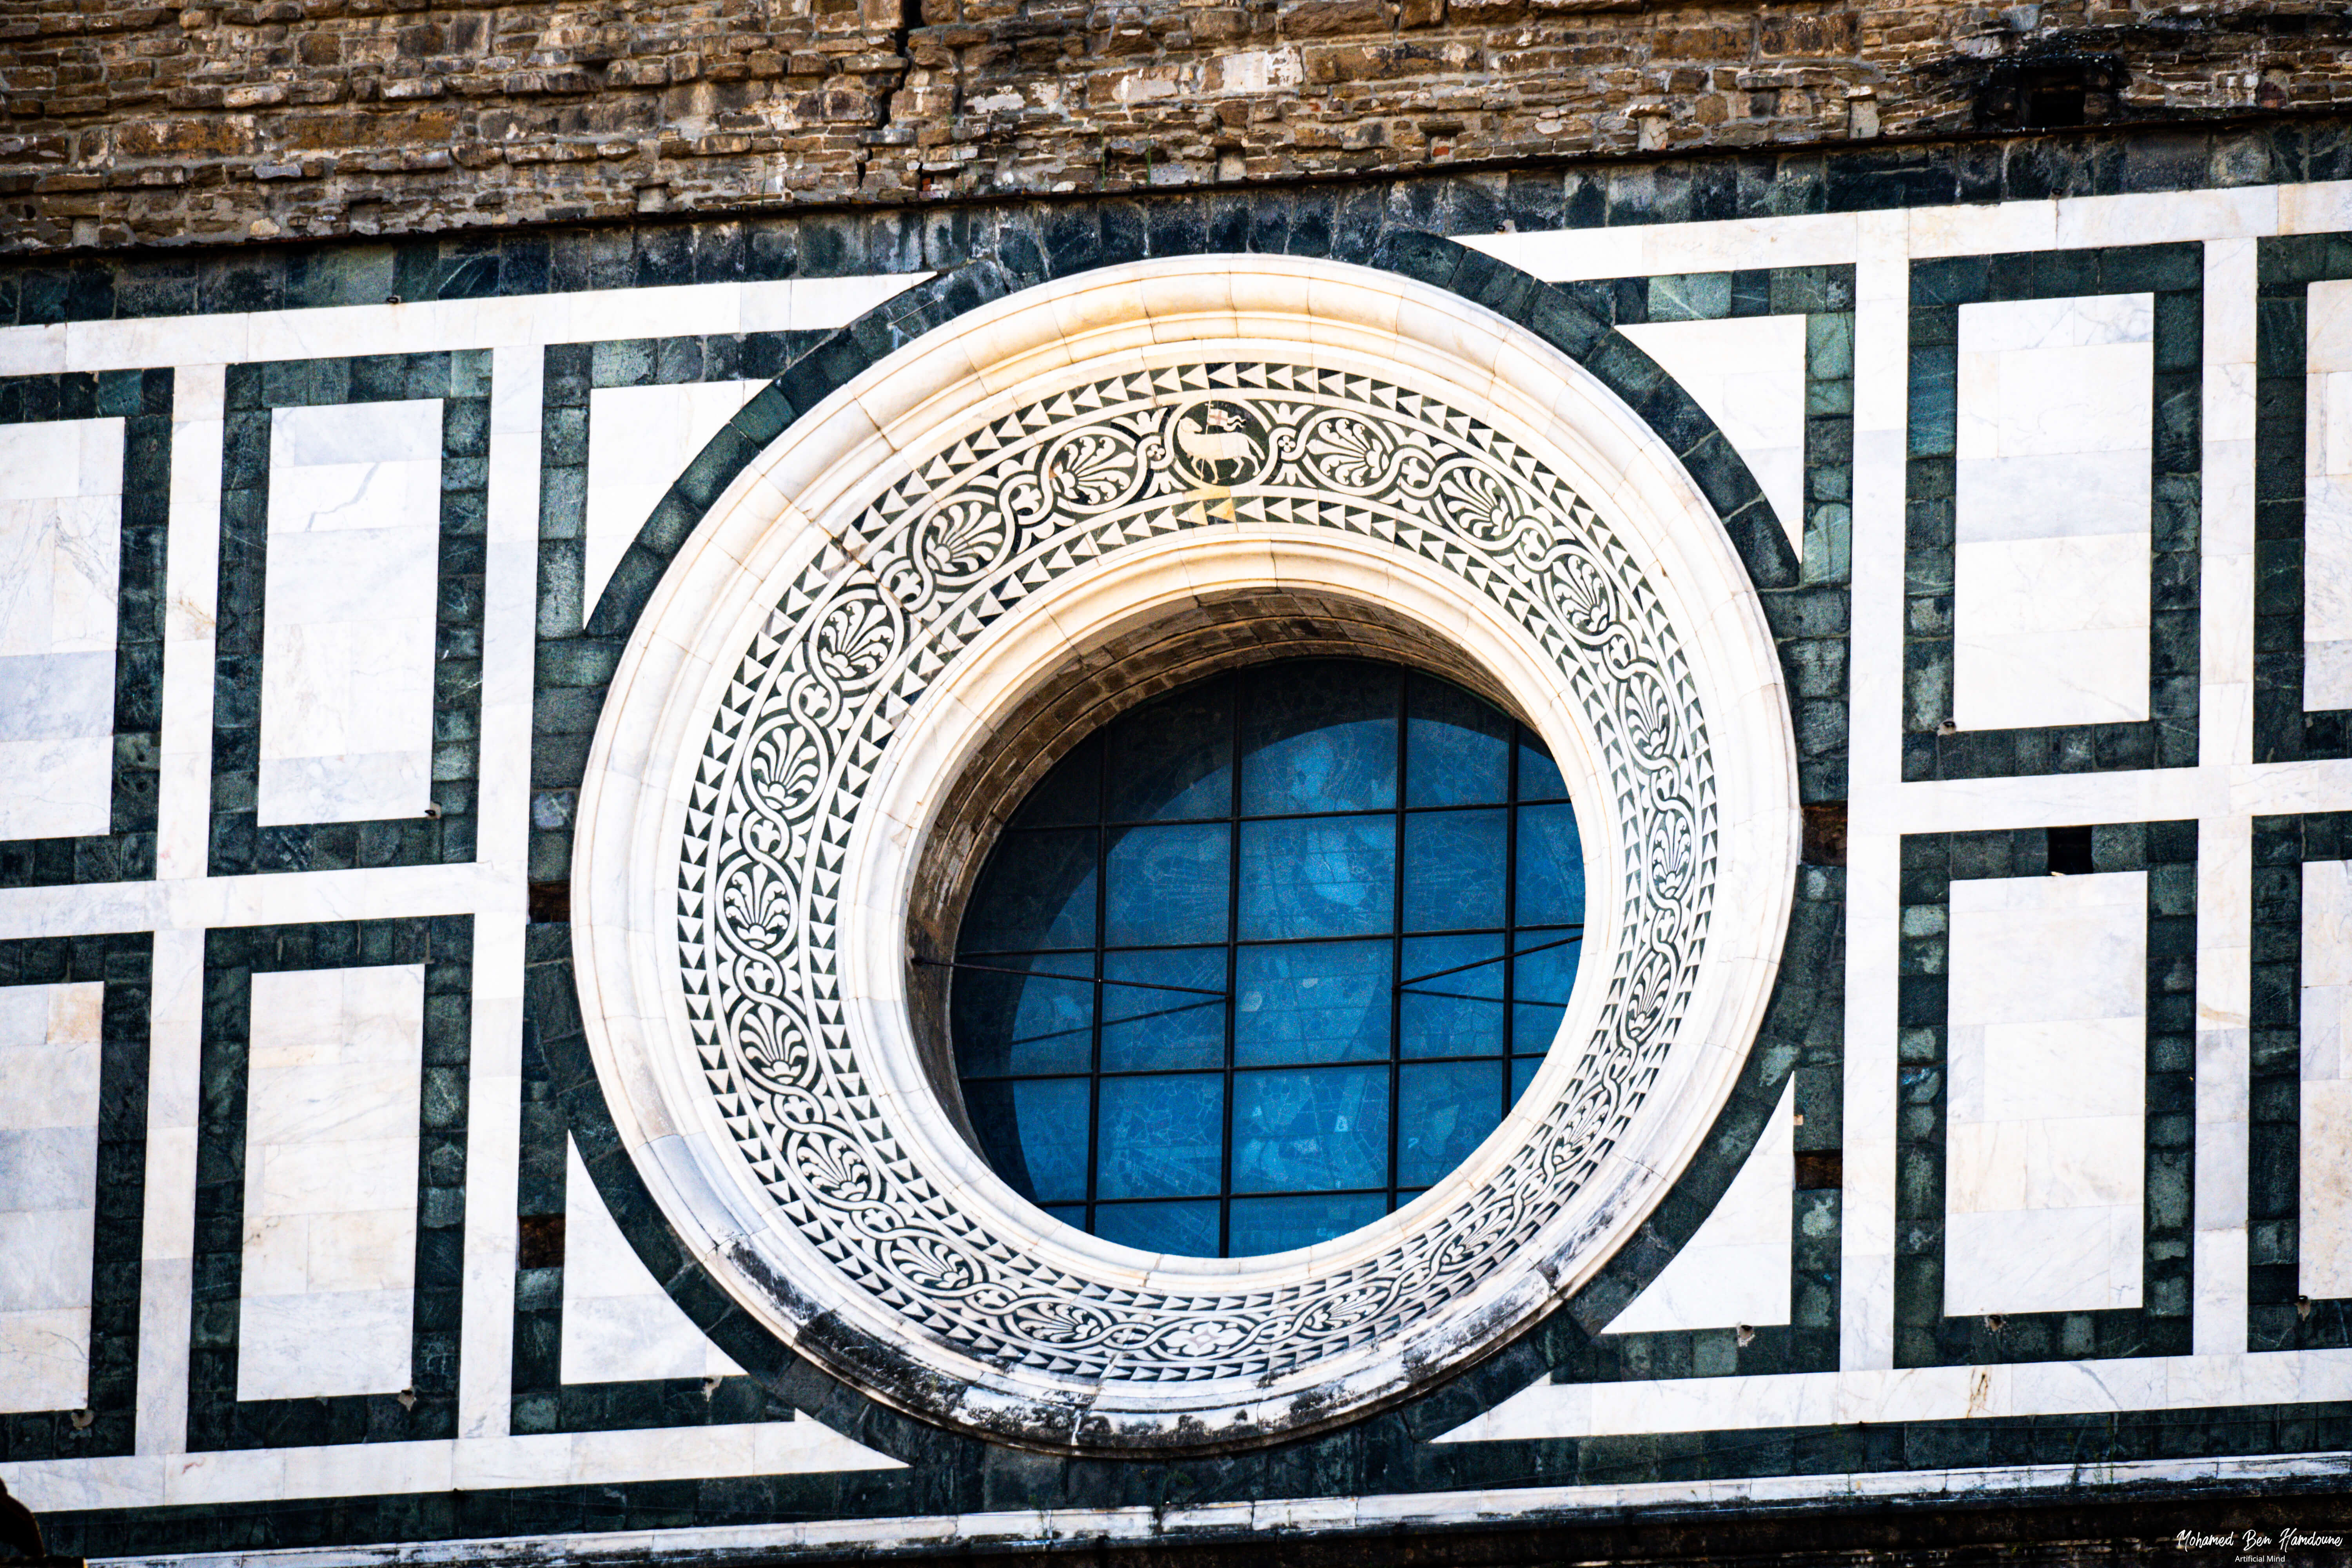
column 207, row 120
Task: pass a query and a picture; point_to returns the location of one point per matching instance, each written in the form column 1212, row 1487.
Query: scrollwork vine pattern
column 990, row 516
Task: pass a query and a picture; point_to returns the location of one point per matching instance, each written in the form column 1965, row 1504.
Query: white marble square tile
column 49, row 1064
column 640, row 438
column 619, row 1324
column 1747, row 373
column 2051, row 631
column 2046, row 1095
column 335, row 1069
column 1734, row 1268
column 348, row 625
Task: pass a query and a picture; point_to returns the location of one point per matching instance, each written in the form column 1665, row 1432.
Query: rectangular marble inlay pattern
column 347, row 627
column 49, row 1057
column 638, row 439
column 2327, row 497
column 2045, row 1176
column 2324, row 1228
column 619, row 1324
column 330, row 1248
column 2051, row 564
column 60, row 554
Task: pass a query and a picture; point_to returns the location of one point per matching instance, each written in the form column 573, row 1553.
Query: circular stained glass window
column 1258, row 962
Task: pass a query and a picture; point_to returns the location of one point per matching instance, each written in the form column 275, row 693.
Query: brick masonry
column 125, row 123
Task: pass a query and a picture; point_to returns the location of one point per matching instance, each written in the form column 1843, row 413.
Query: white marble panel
column 2327, row 498
column 2324, row 1228
column 48, row 1191
column 1734, row 1268
column 2055, row 399
column 619, row 1324
column 347, row 621
column 60, row 561
column 2046, row 1093
column 1748, row 373
column 329, row 1247
column 2050, row 631
column 640, row 438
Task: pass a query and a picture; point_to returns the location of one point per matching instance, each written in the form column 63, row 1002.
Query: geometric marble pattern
column 328, row 1286
column 2045, row 1174
column 2327, row 498
column 2324, row 1226
column 2051, row 571
column 49, row 1190
column 348, row 629
column 1734, row 1270
column 60, row 547
column 638, row 438
column 619, row 1324
column 1748, row 373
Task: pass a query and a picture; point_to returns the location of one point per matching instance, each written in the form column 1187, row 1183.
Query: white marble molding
column 2324, row 1218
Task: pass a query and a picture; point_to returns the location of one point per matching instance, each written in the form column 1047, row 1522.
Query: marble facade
column 2048, row 1003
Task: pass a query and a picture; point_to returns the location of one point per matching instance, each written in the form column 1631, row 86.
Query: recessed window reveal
column 1259, row 961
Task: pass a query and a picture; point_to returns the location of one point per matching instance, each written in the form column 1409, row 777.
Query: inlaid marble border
column 461, row 380
column 1924, row 1334
column 1811, row 616
column 218, row 1419
column 2286, row 268
column 541, row 1401
column 2169, row 737
column 125, row 965
column 2277, row 1319
column 143, row 400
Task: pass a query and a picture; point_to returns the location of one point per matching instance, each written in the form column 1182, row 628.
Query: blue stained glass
column 1188, row 1230
column 1457, row 748
column 1311, row 1002
column 1262, row 1225
column 1173, row 759
column 1551, row 867
column 1443, row 1110
column 1318, row 735
column 1457, row 1015
column 1538, row 774
column 1144, row 1029
column 1030, row 1023
column 1037, row 892
column 1166, row 885
column 1160, row 1137
column 1294, row 1048
column 1523, row 1073
column 1069, row 794
column 1310, row 1130
column 1033, row 1131
column 1333, row 875
column 1539, row 987
column 1456, row 864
